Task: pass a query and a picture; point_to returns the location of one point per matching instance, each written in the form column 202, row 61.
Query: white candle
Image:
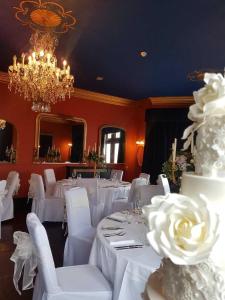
column 95, row 147
column 88, row 150
column 174, row 150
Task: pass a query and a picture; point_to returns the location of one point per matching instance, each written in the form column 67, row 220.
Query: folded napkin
column 113, row 232
column 117, row 243
column 117, row 217
column 125, row 183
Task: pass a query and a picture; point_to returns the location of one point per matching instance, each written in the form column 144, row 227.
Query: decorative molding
column 151, row 102
column 41, row 16
column 103, row 98
column 165, row 102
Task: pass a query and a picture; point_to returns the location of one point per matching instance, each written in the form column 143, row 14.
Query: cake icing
column 203, row 276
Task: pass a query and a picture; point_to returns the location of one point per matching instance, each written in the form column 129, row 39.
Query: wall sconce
column 140, row 143
column 140, row 151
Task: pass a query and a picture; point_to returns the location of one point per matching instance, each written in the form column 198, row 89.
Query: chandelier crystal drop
column 36, row 75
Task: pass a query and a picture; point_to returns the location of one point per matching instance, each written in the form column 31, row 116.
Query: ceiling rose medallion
column 36, row 75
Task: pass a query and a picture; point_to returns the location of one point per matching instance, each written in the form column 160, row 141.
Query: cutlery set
column 121, row 233
column 128, row 247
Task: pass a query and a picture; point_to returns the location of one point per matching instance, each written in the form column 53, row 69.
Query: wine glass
column 74, row 174
column 79, row 176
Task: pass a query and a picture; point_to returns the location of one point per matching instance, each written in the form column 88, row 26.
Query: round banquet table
column 101, row 193
column 127, row 270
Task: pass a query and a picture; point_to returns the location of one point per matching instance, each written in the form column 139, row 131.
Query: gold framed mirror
column 59, row 138
column 8, row 142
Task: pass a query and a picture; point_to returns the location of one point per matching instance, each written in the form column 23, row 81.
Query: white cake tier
column 213, row 189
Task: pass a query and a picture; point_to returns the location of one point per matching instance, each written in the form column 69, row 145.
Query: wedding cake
column 188, row 229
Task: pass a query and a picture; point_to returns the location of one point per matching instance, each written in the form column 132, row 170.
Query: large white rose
column 181, row 229
column 213, row 91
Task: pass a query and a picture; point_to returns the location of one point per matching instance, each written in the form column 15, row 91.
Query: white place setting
column 122, row 253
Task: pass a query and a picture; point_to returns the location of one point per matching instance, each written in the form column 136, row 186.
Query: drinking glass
column 79, row 176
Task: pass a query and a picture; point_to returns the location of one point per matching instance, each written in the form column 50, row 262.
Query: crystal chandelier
column 36, row 76
column 2, row 124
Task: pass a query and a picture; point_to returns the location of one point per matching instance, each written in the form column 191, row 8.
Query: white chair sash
column 25, row 260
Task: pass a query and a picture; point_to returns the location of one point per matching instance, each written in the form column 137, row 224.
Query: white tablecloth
column 101, row 195
column 126, row 270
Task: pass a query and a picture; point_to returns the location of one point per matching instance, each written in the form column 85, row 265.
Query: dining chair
column 132, row 200
column 145, row 176
column 12, row 186
column 163, row 183
column 2, row 185
column 49, row 209
column 116, row 175
column 2, row 194
column 80, row 231
column 82, row 282
column 50, row 181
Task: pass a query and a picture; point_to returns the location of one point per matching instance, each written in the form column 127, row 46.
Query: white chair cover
column 117, row 175
column 68, row 283
column 3, row 192
column 164, row 184
column 2, row 185
column 50, row 181
column 146, row 176
column 47, row 209
column 146, row 192
column 132, row 200
column 12, row 187
column 80, row 232
column 25, row 260
column 9, row 180
column 91, row 186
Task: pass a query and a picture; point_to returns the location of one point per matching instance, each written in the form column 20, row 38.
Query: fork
column 114, row 234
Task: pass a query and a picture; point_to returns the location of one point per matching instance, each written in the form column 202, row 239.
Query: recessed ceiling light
column 99, row 78
column 143, row 53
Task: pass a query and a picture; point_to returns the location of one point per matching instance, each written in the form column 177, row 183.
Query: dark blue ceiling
column 179, row 36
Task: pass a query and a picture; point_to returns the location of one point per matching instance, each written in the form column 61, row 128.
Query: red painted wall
column 17, row 111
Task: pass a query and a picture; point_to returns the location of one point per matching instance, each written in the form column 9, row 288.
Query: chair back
column 37, row 187
column 12, row 184
column 135, row 183
column 2, row 185
column 78, row 211
column 91, row 186
column 145, row 176
column 46, row 265
column 50, row 181
column 164, row 183
column 117, row 175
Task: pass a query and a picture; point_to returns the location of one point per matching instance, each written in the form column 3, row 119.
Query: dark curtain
column 122, row 141
column 6, row 140
column 162, row 126
column 78, row 143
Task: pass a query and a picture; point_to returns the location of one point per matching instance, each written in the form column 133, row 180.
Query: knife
column 111, row 218
column 112, row 228
column 128, row 247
